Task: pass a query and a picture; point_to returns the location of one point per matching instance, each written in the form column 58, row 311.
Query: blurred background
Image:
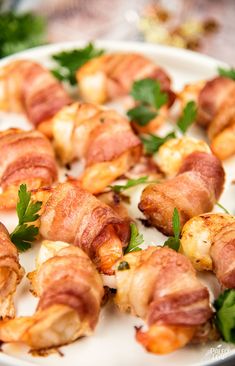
column 207, row 26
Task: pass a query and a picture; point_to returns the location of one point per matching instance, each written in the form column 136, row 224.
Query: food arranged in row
column 82, row 222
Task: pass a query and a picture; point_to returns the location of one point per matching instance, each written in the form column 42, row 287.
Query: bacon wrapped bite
column 101, row 137
column 216, row 112
column 11, row 273
column 111, row 76
column 160, row 286
column 209, row 242
column 76, row 216
column 27, row 87
column 193, row 191
column 70, row 292
column 25, row 157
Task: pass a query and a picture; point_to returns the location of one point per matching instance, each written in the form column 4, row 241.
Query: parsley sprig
column 223, row 208
column 225, row 315
column 70, row 61
column 150, row 97
column 20, row 31
column 173, row 242
column 152, row 143
column 228, row 73
column 188, row 116
column 27, row 211
column 136, row 239
column 118, row 188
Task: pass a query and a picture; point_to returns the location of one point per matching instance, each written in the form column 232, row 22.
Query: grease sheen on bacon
column 162, row 288
column 193, row 191
column 76, row 216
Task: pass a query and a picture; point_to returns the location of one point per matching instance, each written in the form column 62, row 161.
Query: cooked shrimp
column 163, row 339
column 172, row 153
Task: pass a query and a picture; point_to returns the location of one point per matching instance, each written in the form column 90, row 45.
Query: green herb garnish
column 188, row 116
column 228, row 73
column 27, row 211
column 222, row 207
column 20, row 31
column 136, row 239
column 225, row 315
column 152, row 142
column 150, row 97
column 149, row 92
column 123, row 266
column 70, row 61
column 130, row 183
column 141, row 114
column 173, row 242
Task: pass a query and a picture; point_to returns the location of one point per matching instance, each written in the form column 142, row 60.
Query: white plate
column 113, row 342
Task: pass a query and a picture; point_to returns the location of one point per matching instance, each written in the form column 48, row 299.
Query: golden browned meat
column 11, row 273
column 27, row 87
column 70, row 292
column 193, row 191
column 25, row 157
column 102, row 137
column 76, row 216
column 161, row 287
column 208, row 241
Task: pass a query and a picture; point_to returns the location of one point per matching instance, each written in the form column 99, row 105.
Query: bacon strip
column 208, row 241
column 216, row 112
column 77, row 217
column 11, row 273
column 70, row 292
column 112, row 75
column 223, row 255
column 212, row 97
column 193, row 191
column 25, row 157
column 102, row 137
column 29, row 88
column 161, row 287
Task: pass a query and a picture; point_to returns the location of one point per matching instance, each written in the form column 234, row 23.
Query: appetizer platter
column 117, row 168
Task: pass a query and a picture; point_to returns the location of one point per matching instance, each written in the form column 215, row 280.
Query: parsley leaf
column 222, row 207
column 20, row 31
column 70, row 61
column 23, row 235
column 225, row 315
column 27, row 211
column 141, row 114
column 149, row 92
column 228, row 73
column 152, row 142
column 136, row 239
column 188, row 116
column 173, row 242
column 150, row 97
column 130, row 183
